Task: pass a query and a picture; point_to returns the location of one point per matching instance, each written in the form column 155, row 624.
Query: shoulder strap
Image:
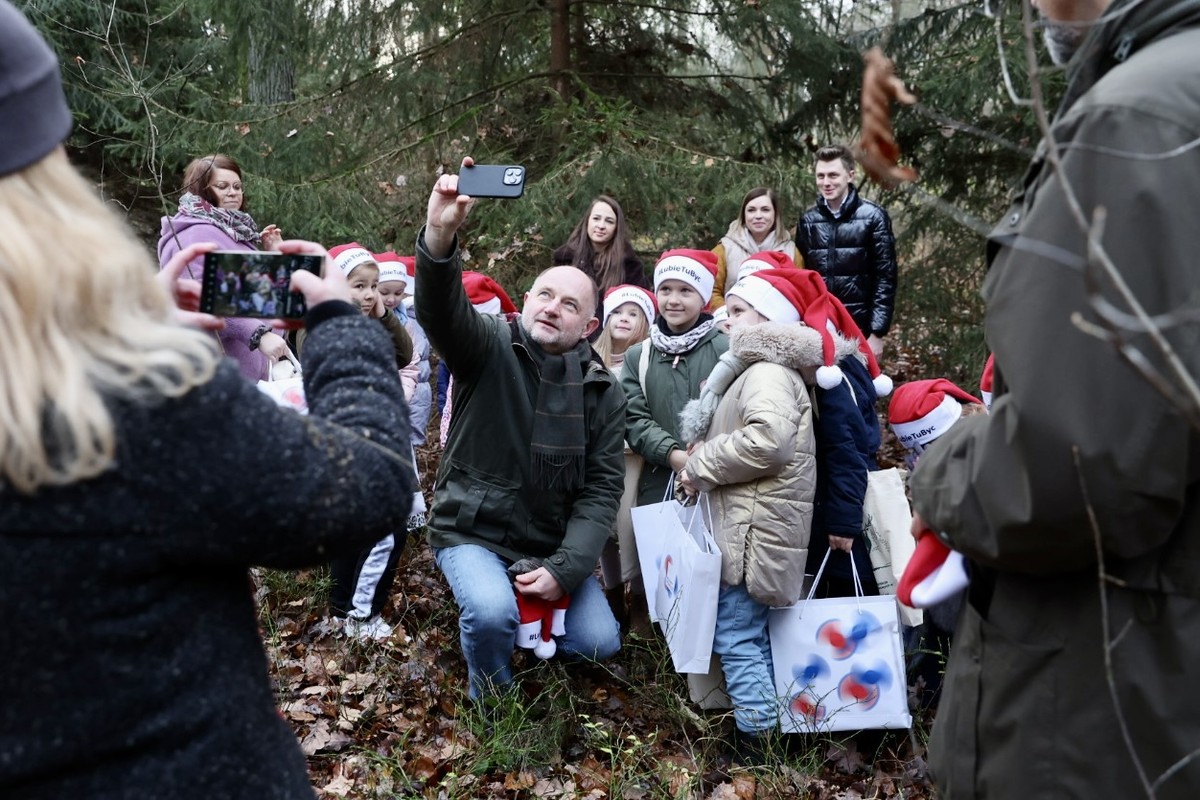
column 644, row 364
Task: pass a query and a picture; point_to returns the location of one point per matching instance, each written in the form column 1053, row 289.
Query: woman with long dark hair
column 600, row 246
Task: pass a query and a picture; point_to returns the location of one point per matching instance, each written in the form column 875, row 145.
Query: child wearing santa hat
column 393, row 286
column 846, row 381
column 936, row 577
column 683, row 347
column 752, row 447
column 361, row 582
column 487, row 297
column 629, row 311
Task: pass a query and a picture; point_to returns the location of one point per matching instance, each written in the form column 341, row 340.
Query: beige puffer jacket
column 758, row 463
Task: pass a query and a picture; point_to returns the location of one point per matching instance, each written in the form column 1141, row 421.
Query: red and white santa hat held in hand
column 799, row 295
column 539, row 622
column 618, row 296
column 921, row 411
column 985, row 381
column 697, row 268
column 934, row 573
column 486, row 295
column 350, row 256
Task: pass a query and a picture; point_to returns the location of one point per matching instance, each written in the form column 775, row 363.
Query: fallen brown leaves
column 877, row 149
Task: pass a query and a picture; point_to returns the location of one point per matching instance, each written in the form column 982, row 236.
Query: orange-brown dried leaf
column 877, row 149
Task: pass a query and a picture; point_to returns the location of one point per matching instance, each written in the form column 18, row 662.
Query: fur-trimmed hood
column 788, row 344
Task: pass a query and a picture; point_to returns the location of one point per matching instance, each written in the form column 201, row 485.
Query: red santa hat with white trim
column 985, row 381
column 799, row 295
column 697, row 268
column 350, row 256
column 765, row 259
column 624, row 293
column 486, row 295
column 394, row 268
column 934, row 573
column 539, row 621
column 921, row 411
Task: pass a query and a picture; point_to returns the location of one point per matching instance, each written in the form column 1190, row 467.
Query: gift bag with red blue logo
column 681, row 571
column 839, row 664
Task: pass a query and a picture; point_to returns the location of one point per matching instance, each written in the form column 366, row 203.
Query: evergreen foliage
column 342, row 114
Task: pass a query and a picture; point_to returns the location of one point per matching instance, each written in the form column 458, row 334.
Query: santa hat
column 985, row 381
column 721, row 315
column 349, row 257
column 486, row 295
column 697, row 268
column 393, row 267
column 921, row 411
column 799, row 295
column 765, row 259
column 618, row 296
column 934, row 573
column 539, row 621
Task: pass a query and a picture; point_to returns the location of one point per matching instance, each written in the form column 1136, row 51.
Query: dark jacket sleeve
column 635, row 271
column 282, row 489
column 455, row 329
column 883, row 246
column 402, row 343
column 562, row 256
column 839, row 438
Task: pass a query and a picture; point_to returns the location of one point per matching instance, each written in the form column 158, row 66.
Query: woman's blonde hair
column 83, row 323
column 604, row 342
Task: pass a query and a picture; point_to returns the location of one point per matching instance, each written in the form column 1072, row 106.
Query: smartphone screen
column 246, row 283
column 505, row 181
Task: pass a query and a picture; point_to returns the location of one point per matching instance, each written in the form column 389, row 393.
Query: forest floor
column 391, row 719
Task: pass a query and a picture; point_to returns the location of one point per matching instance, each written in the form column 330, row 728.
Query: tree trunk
column 560, row 46
column 271, row 72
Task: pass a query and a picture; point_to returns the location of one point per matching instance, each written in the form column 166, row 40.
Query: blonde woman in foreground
column 127, row 523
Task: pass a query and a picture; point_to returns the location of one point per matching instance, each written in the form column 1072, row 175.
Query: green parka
column 652, row 417
column 1028, row 703
column 484, row 491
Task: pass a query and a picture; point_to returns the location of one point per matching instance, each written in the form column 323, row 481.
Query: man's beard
column 1062, row 39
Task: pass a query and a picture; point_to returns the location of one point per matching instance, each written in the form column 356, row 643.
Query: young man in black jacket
column 848, row 240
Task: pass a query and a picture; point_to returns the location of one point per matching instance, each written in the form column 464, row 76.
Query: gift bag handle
column 290, row 356
column 858, row 590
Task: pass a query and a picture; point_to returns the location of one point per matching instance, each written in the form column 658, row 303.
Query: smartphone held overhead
column 504, row 181
column 245, row 283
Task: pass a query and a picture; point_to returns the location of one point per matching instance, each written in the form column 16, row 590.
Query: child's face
column 741, row 313
column 625, row 322
column 679, row 304
column 392, row 293
column 364, row 287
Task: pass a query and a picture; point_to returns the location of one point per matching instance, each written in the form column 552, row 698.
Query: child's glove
column 934, row 573
column 522, row 566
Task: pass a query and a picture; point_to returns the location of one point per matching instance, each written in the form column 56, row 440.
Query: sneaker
column 373, row 629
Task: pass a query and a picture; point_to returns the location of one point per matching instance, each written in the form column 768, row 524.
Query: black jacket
column 855, row 252
column 635, row 272
column 133, row 661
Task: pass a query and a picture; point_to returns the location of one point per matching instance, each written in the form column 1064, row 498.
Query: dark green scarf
column 559, row 443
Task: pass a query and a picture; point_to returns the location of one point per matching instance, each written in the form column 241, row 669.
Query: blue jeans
column 487, row 619
column 745, row 649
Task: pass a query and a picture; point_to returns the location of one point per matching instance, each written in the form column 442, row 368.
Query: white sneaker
column 373, row 629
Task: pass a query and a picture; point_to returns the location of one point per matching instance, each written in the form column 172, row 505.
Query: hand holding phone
column 504, row 181
column 247, row 283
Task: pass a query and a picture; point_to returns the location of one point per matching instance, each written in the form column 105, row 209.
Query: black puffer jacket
column 855, row 252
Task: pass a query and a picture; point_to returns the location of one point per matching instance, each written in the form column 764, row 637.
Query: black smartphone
column 492, row 180
column 245, row 283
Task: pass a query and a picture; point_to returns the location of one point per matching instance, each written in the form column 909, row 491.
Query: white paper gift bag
column 681, row 572
column 887, row 523
column 839, row 664
column 286, row 386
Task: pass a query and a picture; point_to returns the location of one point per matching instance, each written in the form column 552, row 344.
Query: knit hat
column 617, row 296
column 393, row 267
column 349, row 257
column 539, row 621
column 985, row 381
column 34, row 117
column 921, row 411
column 799, row 295
column 765, row 259
column 934, row 572
column 486, row 295
column 697, row 268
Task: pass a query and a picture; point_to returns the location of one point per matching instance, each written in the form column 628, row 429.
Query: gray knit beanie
column 34, row 117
